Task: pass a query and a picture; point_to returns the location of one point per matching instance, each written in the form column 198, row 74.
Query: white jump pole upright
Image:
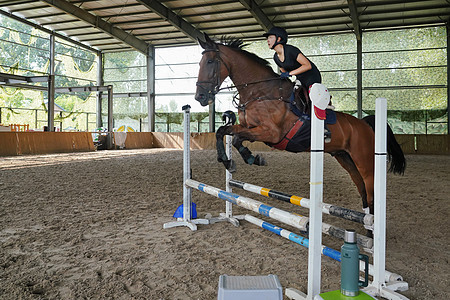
column 187, row 191
column 379, row 253
column 315, row 210
column 379, row 287
column 228, row 177
column 228, row 215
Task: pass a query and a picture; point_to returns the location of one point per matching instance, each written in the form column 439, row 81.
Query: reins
column 216, row 80
column 248, row 83
column 242, row 106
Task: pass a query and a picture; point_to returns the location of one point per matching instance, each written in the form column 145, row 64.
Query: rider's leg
column 326, row 133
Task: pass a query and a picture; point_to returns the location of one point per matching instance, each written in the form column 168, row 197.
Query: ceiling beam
column 75, row 2
column 174, row 19
column 101, row 24
column 15, row 2
column 355, row 20
column 257, row 13
column 48, row 31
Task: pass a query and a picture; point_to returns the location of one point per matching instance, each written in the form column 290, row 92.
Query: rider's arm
column 305, row 65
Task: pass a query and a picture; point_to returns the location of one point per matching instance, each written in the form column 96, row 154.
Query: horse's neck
column 245, row 73
column 253, row 80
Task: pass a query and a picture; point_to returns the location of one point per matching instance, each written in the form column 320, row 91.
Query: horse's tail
column 395, row 153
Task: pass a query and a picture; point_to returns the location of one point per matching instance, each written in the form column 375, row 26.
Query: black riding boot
column 327, row 134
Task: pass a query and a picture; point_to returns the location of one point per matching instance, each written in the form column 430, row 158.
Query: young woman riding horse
column 290, row 59
column 265, row 115
column 292, row 62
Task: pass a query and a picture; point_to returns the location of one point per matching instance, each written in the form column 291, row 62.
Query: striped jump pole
column 297, row 221
column 302, row 241
column 363, row 241
column 333, row 210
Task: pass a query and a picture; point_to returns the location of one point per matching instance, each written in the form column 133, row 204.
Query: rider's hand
column 284, row 75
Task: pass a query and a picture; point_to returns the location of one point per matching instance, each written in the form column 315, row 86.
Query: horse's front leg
column 240, row 134
column 246, row 154
column 220, row 146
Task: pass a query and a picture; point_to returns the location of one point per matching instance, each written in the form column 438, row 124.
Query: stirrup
column 327, row 135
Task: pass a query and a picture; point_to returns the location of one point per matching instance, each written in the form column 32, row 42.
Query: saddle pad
column 331, row 117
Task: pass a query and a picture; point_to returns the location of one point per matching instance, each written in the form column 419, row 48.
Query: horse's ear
column 208, row 43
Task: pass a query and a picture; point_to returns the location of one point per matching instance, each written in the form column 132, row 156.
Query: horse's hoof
column 231, row 166
column 260, row 161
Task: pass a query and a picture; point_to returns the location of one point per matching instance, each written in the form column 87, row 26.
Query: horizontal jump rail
column 302, row 241
column 341, row 212
column 297, row 221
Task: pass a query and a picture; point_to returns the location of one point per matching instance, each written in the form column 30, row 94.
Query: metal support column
column 212, row 117
column 359, row 76
column 51, row 87
column 448, row 76
column 354, row 14
column 99, row 121
column 110, row 117
column 151, row 88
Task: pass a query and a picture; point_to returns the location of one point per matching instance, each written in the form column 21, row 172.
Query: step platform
column 250, row 288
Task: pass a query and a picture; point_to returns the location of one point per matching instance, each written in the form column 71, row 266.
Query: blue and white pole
column 297, row 221
column 326, row 251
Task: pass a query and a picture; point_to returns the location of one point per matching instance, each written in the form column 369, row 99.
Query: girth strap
column 287, row 138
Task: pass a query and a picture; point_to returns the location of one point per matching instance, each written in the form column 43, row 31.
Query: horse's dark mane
column 238, row 44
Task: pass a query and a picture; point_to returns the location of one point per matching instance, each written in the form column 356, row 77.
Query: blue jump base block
column 250, row 288
column 179, row 212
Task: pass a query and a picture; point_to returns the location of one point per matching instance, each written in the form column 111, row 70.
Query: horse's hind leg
column 246, row 154
column 348, row 164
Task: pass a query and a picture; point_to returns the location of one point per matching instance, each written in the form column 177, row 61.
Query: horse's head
column 211, row 75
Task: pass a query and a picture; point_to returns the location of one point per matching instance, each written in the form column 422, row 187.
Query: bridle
column 216, row 81
column 216, row 78
column 216, row 74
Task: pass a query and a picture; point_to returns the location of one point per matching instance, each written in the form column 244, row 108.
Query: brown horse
column 265, row 115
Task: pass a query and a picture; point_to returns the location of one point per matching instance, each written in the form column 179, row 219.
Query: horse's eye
column 210, row 61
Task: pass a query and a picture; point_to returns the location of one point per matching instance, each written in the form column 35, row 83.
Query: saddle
column 300, row 104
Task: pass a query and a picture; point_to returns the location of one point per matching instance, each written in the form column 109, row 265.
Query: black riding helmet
column 279, row 32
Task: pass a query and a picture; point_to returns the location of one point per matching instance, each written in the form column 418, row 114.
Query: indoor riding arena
column 97, row 99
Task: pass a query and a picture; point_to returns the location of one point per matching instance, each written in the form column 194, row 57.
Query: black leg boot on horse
column 229, row 119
